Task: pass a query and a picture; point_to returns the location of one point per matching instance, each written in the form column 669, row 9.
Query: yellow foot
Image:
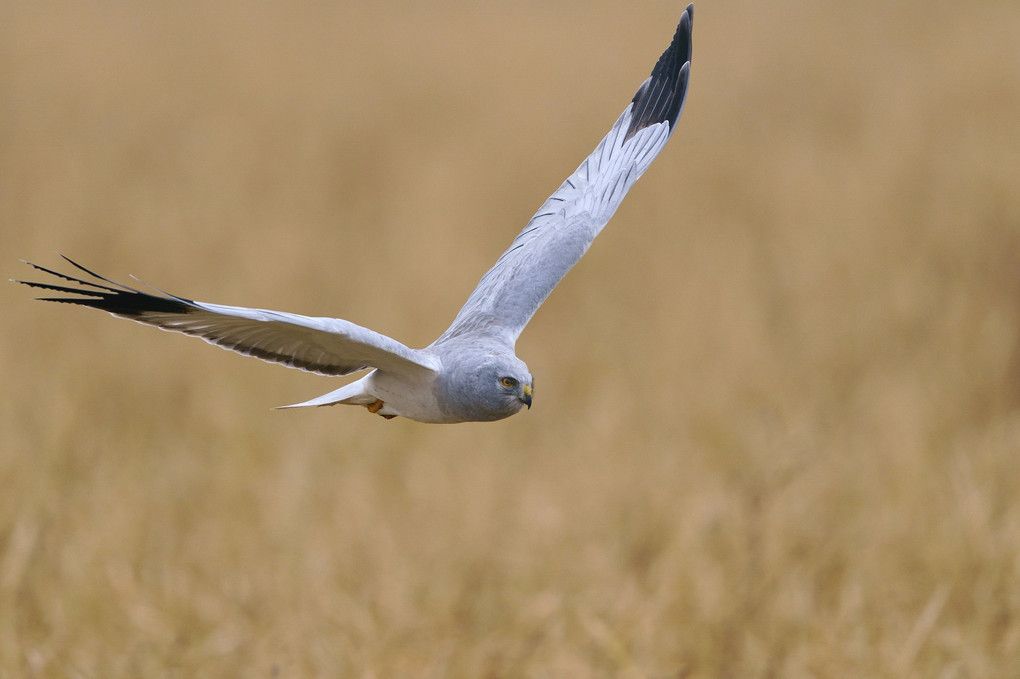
column 375, row 406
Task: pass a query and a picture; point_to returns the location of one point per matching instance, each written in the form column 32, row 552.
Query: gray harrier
column 471, row 372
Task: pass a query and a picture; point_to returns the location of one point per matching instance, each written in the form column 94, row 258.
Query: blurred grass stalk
column 776, row 425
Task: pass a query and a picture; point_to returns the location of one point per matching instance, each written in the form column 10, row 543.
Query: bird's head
column 509, row 382
column 497, row 386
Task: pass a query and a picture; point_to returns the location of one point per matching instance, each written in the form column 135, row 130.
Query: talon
column 375, row 405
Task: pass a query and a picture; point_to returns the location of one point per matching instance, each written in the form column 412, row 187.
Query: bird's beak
column 526, row 398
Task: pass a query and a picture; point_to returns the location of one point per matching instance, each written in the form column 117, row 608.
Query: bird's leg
column 375, row 406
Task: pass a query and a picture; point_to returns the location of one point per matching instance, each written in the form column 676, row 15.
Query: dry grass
column 777, row 424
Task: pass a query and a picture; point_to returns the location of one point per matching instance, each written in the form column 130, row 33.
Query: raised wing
column 327, row 346
column 562, row 230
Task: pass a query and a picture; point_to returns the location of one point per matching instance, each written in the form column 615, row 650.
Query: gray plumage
column 470, row 373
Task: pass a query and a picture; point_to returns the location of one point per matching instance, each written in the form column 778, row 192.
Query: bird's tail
column 353, row 394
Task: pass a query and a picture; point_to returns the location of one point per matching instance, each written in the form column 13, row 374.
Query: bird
column 471, row 373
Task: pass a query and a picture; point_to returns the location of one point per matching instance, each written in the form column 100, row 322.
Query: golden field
column 776, row 429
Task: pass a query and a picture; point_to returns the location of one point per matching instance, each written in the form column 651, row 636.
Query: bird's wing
column 562, row 230
column 327, row 346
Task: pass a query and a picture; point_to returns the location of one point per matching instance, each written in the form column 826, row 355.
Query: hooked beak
column 526, row 397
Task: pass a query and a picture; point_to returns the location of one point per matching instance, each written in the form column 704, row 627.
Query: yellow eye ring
column 508, row 382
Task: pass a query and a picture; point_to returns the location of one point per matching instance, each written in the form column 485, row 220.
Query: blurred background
column 777, row 418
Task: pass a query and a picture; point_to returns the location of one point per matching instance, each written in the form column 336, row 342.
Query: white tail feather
column 350, row 394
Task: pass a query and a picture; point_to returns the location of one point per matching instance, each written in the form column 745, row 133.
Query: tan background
column 776, row 427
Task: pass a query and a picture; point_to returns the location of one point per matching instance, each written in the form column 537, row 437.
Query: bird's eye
column 508, row 382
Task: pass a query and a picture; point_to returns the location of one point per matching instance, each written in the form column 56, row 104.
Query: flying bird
column 471, row 372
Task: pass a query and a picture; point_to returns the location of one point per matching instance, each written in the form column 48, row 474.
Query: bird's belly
column 414, row 400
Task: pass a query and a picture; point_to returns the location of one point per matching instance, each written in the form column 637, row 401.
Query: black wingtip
column 661, row 98
column 114, row 298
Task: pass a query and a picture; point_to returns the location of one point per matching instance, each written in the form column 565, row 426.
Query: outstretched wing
column 327, row 346
column 560, row 233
